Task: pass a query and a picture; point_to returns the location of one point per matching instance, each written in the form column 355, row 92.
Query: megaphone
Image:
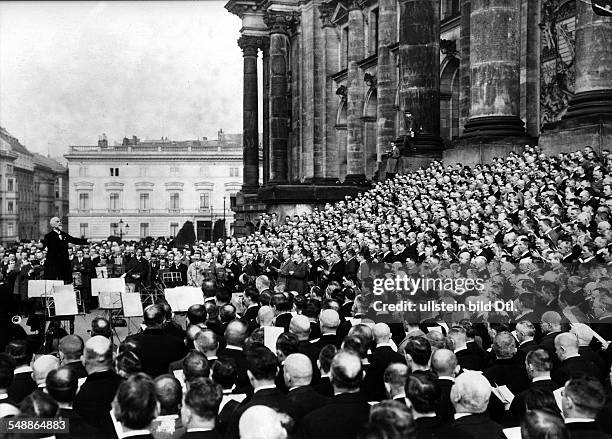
column 16, row 319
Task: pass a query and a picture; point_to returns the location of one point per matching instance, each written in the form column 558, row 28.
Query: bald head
column 62, row 384
column 265, row 316
column 329, row 320
column 262, row 422
column 236, row 333
column 169, row 394
column 42, row 366
column 346, row 372
column 297, row 370
column 381, row 333
column 444, row 362
column 551, row 321
column 71, row 348
column 300, row 326
column 98, row 355
column 470, row 393
column 206, row 342
column 395, row 377
column 566, row 345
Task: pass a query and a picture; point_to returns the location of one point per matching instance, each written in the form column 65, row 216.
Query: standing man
column 137, row 271
column 57, row 264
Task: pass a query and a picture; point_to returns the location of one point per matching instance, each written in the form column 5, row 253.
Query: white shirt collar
column 462, row 415
column 135, row 433
column 525, row 341
column 572, row 356
column 379, row 345
column 541, row 378
column 22, row 369
column 235, row 348
column 189, row 430
column 446, row 377
column 269, row 386
column 460, row 349
column 570, row 420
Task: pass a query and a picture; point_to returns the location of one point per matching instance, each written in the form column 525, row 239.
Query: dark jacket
column 22, row 386
column 57, row 264
column 517, row 408
column 242, row 382
column 79, row 428
column 212, row 434
column 305, row 399
column 342, row 418
column 78, row 368
column 324, row 387
column 445, row 409
column 158, row 350
column 586, row 430
column 480, row 426
column 93, row 402
column 433, row 428
column 469, row 360
column 573, row 367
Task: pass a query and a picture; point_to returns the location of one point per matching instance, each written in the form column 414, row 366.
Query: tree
column 186, row 236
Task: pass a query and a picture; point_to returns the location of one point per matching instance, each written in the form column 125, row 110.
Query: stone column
column 464, row 65
column 279, row 24
column 330, row 54
column 593, row 92
column 495, row 69
column 265, row 49
column 386, row 88
column 419, row 54
column 250, row 134
column 355, row 161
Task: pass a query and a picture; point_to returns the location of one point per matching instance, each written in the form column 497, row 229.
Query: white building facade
column 151, row 188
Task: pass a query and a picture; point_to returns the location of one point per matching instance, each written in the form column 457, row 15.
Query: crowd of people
column 530, row 230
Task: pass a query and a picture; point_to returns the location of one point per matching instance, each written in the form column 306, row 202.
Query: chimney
column 102, row 142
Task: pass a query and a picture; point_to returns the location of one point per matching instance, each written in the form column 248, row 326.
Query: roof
column 13, row 142
column 48, row 162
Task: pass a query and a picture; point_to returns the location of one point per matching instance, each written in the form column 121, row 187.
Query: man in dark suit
column 93, row 402
column 572, row 363
column 180, row 273
column 470, row 396
column 300, row 326
column 382, row 356
column 137, row 271
column 22, row 384
column 62, row 384
column 297, row 373
column 235, row 335
column 538, row 365
column 158, row 349
column 70, row 352
column 506, row 369
column 282, row 310
column 200, row 408
column 467, row 360
column 347, row 410
column 336, row 269
column 525, row 333
column 169, row 394
column 550, row 322
column 251, row 303
column 324, row 386
column 82, row 271
column 352, row 265
column 394, row 378
column 444, row 364
column 7, row 367
column 329, row 321
column 262, row 367
column 57, row 265
column 582, row 399
column 136, row 414
column 423, row 392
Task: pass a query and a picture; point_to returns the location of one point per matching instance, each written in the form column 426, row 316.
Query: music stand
column 172, row 278
column 111, row 301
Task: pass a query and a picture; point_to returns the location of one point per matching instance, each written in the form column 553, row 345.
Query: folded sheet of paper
column 42, row 288
column 181, row 298
column 504, row 394
column 65, row 300
column 271, row 334
column 113, row 284
column 513, row 433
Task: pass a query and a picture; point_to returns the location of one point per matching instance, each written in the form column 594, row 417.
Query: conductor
column 57, row 264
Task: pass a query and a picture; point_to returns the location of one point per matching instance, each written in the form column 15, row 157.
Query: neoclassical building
column 457, row 80
column 154, row 186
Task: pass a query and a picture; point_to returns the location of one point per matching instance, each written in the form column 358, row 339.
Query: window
column 10, row 207
column 84, row 230
column 173, row 229
column 56, row 194
column 114, row 172
column 144, row 230
column 232, row 200
column 114, row 229
column 114, row 201
column 374, row 31
column 144, row 171
column 204, row 200
column 83, row 201
column 344, row 48
column 144, row 201
column 174, row 171
column 204, row 171
column 174, row 201
column 82, row 171
column 234, row 172
column 9, row 229
column 10, row 185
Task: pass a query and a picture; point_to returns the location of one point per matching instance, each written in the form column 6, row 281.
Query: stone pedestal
column 419, row 88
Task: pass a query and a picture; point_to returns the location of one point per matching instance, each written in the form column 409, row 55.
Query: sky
column 70, row 71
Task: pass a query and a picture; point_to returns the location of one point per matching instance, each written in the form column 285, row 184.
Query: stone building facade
column 154, row 186
column 456, row 80
column 33, row 188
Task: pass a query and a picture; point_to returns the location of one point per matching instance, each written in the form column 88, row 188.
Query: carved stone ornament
column 281, row 22
column 370, row 80
column 326, row 12
column 448, row 47
column 342, row 91
column 249, row 45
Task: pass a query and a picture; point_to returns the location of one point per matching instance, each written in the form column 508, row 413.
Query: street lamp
column 212, row 222
column 120, row 227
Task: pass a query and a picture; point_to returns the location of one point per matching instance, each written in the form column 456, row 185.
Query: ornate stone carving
column 557, row 69
column 370, row 80
column 281, row 22
column 326, row 12
column 249, row 45
column 342, row 91
column 448, row 47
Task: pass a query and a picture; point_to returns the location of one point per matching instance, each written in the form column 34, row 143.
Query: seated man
column 200, row 408
column 582, row 399
column 7, row 367
column 135, row 407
